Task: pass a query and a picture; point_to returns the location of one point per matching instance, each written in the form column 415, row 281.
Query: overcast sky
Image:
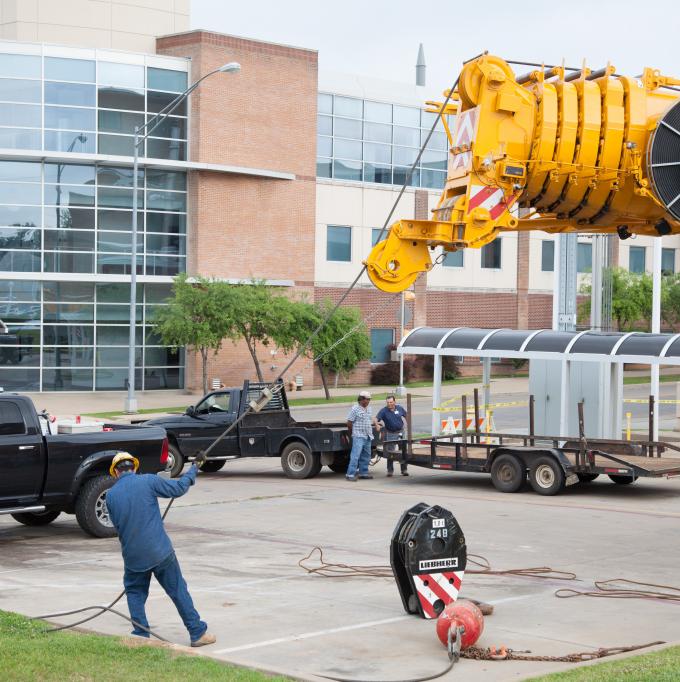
column 380, row 38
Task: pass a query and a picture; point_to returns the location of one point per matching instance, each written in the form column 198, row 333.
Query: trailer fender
column 97, row 463
column 527, row 455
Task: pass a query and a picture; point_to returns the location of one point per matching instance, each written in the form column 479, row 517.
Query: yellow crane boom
column 586, row 151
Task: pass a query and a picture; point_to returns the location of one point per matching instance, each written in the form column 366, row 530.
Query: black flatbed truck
column 551, row 463
column 304, row 447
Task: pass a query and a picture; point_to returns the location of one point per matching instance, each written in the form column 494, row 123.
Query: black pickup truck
column 304, row 447
column 44, row 474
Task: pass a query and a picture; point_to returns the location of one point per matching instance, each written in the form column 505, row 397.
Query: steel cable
column 614, row 588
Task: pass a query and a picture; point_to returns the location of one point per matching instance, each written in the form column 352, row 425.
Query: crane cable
column 274, row 386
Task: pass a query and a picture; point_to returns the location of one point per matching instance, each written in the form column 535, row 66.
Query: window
column 11, row 421
column 453, row 259
column 547, row 255
column 584, row 257
column 166, row 79
column 339, row 243
column 667, row 261
column 491, row 255
column 375, row 235
column 219, row 402
column 636, row 259
column 60, row 69
column 381, row 340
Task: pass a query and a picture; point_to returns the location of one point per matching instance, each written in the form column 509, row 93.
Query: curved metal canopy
column 595, row 346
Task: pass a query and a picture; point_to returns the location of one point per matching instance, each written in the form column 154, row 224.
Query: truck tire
column 212, row 465
column 507, row 473
column 91, row 511
column 587, row 478
column 622, row 480
column 546, row 476
column 36, row 518
column 339, row 464
column 298, row 461
column 175, row 461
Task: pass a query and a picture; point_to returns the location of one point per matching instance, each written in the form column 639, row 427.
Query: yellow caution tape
column 656, row 402
column 447, row 407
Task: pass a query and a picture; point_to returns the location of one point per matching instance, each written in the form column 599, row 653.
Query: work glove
column 200, row 459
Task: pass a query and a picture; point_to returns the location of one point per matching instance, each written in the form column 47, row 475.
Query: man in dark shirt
column 392, row 418
column 132, row 504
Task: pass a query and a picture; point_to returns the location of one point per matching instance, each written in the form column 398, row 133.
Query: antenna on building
column 420, row 66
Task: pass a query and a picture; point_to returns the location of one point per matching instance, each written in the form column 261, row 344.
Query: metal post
column 131, row 402
column 656, row 323
column 564, row 296
column 486, row 381
column 436, row 394
column 532, row 423
column 652, row 423
column 409, row 426
column 596, row 288
column 401, row 390
column 581, row 459
column 476, row 424
column 463, row 424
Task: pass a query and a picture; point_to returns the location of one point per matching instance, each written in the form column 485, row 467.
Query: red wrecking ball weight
column 461, row 614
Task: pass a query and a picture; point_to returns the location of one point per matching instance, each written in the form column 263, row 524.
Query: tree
column 258, row 317
column 194, row 317
column 340, row 344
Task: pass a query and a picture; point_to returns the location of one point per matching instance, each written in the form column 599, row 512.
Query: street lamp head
column 230, row 67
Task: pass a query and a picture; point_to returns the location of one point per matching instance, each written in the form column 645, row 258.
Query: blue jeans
column 360, row 456
column 394, row 451
column 169, row 575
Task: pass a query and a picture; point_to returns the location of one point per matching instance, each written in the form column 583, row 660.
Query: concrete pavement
column 240, row 533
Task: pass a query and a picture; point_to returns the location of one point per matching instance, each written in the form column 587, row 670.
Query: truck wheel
column 175, row 461
column 36, row 518
column 622, row 480
column 212, row 465
column 91, row 511
column 507, row 473
column 546, row 476
column 298, row 461
column 340, row 464
column 587, row 478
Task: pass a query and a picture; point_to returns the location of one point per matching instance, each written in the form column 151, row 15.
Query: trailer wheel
column 175, row 461
column 91, row 510
column 586, row 478
column 339, row 464
column 507, row 473
column 622, row 480
column 36, row 518
column 546, row 476
column 298, row 461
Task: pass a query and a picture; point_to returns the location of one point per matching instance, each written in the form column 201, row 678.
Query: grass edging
column 31, row 653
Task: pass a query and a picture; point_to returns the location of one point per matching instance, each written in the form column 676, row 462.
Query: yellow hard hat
column 121, row 457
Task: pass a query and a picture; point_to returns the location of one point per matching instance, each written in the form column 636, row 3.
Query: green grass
column 645, row 380
column 299, row 402
column 658, row 666
column 28, row 652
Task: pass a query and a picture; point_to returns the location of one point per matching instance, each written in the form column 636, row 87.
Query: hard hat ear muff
column 122, row 457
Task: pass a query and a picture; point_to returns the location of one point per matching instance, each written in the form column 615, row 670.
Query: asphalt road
column 240, row 533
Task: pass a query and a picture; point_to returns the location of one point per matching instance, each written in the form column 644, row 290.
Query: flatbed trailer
column 551, row 463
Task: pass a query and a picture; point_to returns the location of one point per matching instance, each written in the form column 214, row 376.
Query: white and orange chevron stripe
column 434, row 587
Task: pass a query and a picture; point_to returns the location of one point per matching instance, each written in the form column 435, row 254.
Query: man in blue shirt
column 132, row 504
column 392, row 418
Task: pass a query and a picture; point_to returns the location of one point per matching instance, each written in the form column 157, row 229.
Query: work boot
column 205, row 639
column 366, row 476
column 404, row 473
column 389, row 474
column 352, row 478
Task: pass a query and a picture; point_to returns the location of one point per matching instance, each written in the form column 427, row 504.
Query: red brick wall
column 243, row 226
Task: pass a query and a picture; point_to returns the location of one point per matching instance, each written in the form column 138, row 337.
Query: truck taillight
column 165, row 451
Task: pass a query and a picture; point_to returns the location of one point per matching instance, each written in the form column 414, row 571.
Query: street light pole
column 141, row 133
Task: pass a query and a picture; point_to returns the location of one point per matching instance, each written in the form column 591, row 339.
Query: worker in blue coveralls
column 392, row 418
column 132, row 504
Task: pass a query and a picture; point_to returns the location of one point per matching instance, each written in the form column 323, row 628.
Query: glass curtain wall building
column 67, row 119
column 378, row 142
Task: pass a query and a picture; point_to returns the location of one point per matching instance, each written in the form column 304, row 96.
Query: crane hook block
column 586, row 151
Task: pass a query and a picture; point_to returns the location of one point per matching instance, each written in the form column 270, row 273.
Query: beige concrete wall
column 118, row 24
